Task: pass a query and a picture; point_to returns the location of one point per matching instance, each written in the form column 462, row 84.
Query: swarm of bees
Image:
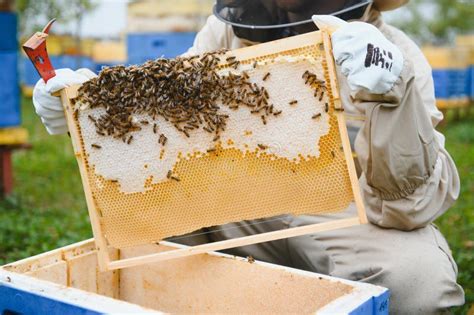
column 319, row 87
column 185, row 91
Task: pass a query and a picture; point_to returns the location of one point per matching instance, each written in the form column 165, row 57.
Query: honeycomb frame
column 338, row 170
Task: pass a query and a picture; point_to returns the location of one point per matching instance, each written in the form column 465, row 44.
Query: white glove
column 49, row 107
column 365, row 56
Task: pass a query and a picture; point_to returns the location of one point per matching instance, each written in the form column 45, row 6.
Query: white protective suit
column 408, row 180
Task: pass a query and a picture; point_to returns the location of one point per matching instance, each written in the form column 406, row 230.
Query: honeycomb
column 301, row 172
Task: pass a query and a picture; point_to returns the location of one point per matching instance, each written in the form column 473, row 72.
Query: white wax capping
column 289, row 135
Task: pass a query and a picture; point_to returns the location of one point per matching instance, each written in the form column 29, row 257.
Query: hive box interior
column 207, row 283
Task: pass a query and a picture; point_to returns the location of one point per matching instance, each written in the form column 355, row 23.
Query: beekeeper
column 408, row 178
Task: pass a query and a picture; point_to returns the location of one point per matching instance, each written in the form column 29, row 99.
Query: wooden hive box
column 67, row 281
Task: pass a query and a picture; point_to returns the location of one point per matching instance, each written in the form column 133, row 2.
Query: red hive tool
column 35, row 48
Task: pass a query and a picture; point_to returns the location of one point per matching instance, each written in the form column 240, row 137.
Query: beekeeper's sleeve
column 408, row 177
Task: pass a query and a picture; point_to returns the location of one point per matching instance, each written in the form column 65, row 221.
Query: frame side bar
column 343, row 128
column 101, row 243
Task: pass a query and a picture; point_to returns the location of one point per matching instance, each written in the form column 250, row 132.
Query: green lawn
column 48, row 210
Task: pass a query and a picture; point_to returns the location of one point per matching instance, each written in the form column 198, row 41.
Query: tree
column 437, row 21
column 34, row 14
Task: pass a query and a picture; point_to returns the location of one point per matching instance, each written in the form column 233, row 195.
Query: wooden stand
column 6, row 171
column 11, row 139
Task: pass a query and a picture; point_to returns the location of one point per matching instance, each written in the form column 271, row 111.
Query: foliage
column 457, row 224
column 48, row 210
column 437, row 21
column 34, row 14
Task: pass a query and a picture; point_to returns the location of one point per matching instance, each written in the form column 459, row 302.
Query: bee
column 234, row 64
column 250, row 259
column 333, row 154
column 315, row 116
column 277, row 113
column 262, row 147
column 216, row 138
column 269, row 109
column 266, row 76
column 294, row 102
column 230, row 59
column 186, row 133
column 326, row 107
column 96, row 146
column 321, row 96
column 175, row 178
column 264, row 120
column 211, row 150
column 265, row 92
column 91, row 118
column 144, row 122
column 155, row 128
column 162, row 140
column 341, row 109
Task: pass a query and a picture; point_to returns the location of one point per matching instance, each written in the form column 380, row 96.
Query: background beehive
column 229, row 184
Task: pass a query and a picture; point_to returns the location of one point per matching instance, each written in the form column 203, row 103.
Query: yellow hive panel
column 294, row 164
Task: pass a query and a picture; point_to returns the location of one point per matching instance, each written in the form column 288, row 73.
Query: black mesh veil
column 265, row 20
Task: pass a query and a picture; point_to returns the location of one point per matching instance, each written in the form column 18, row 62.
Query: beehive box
column 151, row 16
column 450, row 75
column 67, row 281
column 467, row 42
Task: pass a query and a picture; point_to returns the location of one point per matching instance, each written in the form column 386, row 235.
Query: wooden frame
column 296, row 42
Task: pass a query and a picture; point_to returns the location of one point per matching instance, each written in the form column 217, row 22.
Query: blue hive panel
column 149, row 46
column 8, row 22
column 9, row 90
column 29, row 75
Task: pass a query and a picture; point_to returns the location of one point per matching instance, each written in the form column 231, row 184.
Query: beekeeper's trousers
column 416, row 266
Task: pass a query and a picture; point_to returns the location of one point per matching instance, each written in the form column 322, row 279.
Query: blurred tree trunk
column 7, row 5
column 34, row 14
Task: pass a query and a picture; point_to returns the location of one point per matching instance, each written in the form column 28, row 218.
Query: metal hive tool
column 296, row 161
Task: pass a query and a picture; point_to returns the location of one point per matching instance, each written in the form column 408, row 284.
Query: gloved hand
column 368, row 59
column 49, row 107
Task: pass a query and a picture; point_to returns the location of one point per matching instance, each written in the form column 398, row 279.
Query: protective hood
column 265, row 20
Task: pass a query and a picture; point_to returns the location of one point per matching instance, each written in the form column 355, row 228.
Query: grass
column 457, row 224
column 47, row 209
